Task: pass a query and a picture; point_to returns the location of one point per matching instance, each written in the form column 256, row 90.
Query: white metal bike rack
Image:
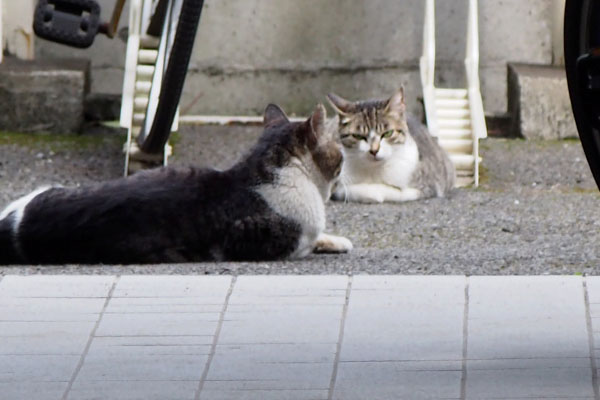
column 1, row 37
column 141, row 62
column 455, row 116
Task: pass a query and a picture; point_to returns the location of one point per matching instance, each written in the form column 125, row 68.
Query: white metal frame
column 1, row 36
column 455, row 116
column 144, row 65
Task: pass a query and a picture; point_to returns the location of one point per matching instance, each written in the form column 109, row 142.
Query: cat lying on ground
column 389, row 156
column 268, row 206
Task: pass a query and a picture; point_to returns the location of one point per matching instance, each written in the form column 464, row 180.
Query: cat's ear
column 340, row 105
column 316, row 126
column 396, row 104
column 274, row 113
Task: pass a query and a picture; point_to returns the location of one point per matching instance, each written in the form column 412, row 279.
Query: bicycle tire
column 580, row 36
column 154, row 141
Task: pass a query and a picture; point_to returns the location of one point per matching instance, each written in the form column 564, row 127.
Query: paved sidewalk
column 298, row 337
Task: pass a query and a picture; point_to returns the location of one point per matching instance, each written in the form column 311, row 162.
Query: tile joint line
column 590, row 331
column 90, row 339
column 213, row 347
column 338, row 350
column 463, row 378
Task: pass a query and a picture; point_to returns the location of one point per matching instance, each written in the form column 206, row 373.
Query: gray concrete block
column 141, row 367
column 282, row 324
column 288, row 370
column 539, row 103
column 279, row 352
column 159, row 286
column 32, row 390
column 527, row 317
column 143, row 305
column 263, row 375
column 37, row 368
column 404, row 319
column 51, row 343
column 51, row 309
column 157, row 324
column 527, row 338
column 268, row 394
column 43, row 328
column 539, row 383
column 133, row 390
column 43, row 95
column 131, row 346
column 298, row 309
column 58, row 286
column 387, row 381
column 593, row 290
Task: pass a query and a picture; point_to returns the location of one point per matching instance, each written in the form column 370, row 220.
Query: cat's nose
column 374, row 151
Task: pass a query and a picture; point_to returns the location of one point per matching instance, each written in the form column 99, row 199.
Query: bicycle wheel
column 582, row 61
column 160, row 69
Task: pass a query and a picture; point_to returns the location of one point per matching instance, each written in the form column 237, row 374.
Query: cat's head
column 370, row 129
column 312, row 145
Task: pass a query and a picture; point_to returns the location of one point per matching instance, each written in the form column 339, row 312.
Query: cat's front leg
column 327, row 243
column 360, row 192
column 376, row 193
column 401, row 195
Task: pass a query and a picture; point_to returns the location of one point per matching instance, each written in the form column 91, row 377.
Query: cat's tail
column 8, row 253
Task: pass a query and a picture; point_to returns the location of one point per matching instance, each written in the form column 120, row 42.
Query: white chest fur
column 296, row 196
column 396, row 169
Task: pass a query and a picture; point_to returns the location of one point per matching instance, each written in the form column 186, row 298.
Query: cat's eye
column 337, row 171
column 388, row 134
column 359, row 137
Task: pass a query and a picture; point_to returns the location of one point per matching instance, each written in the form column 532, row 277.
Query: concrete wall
column 251, row 52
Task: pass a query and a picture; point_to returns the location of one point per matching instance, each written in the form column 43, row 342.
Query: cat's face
column 312, row 143
column 371, row 129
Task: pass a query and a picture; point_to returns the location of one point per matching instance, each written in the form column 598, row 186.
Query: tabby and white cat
column 268, row 206
column 389, row 156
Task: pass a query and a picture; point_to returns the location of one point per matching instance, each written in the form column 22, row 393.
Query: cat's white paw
column 364, row 193
column 374, row 198
column 339, row 194
column 332, row 244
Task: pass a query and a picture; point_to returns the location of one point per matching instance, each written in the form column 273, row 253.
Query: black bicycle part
column 158, row 18
column 173, row 78
column 582, row 61
column 70, row 22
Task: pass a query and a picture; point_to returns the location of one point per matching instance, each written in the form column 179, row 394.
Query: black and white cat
column 268, row 206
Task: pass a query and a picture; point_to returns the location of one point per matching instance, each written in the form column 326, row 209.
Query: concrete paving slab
column 130, row 346
column 257, row 394
column 167, row 286
column 133, row 390
column 538, row 383
column 18, row 309
column 140, row 367
column 158, row 324
column 273, row 337
column 38, row 286
column 404, row 319
column 401, row 334
column 37, row 368
column 527, row 317
column 282, row 337
column 32, row 390
column 528, row 338
column 387, row 381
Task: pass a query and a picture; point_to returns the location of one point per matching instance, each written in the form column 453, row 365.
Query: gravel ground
column 536, row 211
